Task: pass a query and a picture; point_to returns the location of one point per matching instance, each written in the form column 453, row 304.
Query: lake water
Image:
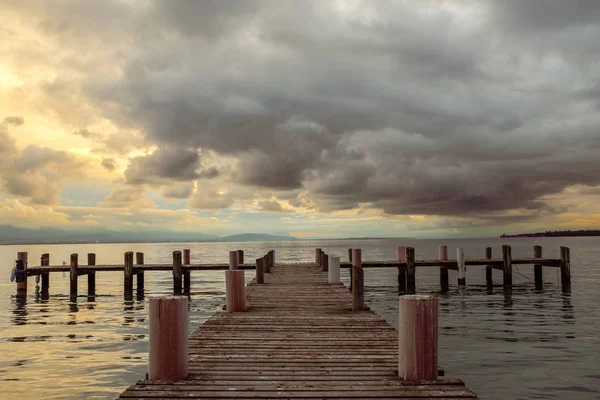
column 540, row 345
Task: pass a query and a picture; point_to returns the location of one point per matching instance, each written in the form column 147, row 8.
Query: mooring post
column 537, row 268
column 350, row 269
column 168, row 341
column 565, row 267
column 260, row 272
column 74, row 266
column 358, row 284
column 177, row 272
column 21, row 273
column 418, row 338
column 333, row 274
column 488, row 269
column 91, row 275
column 235, row 286
column 444, row 278
column 187, row 257
column 401, row 256
column 411, row 284
column 325, row 266
column 187, row 277
column 241, row 256
column 318, row 256
column 267, row 263
column 507, row 266
column 462, row 268
column 45, row 262
column 139, row 260
column 128, row 273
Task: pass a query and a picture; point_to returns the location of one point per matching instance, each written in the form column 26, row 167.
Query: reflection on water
column 523, row 342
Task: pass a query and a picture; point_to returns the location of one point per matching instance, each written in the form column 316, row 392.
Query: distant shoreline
column 578, row 233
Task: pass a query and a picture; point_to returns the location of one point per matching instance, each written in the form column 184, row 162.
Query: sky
column 342, row 118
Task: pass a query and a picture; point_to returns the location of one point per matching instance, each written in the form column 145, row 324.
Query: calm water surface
column 537, row 345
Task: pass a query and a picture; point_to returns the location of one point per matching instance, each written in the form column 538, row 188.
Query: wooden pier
column 298, row 338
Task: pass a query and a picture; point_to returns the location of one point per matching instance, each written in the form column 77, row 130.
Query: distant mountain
column 557, row 234
column 257, row 237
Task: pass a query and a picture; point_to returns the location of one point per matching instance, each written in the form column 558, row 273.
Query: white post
column 334, row 270
column 462, row 268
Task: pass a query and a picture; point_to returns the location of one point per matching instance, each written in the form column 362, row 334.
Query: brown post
column 537, row 268
column 44, row 262
column 462, row 267
column 21, row 274
column 401, row 256
column 444, row 278
column 168, row 341
column 91, row 275
column 73, row 276
column 410, row 270
column 186, row 257
column 139, row 260
column 325, row 263
column 187, row 277
column 233, row 260
column 128, row 273
column 240, row 256
column 350, row 269
column 565, row 267
column 235, row 289
column 267, row 263
column 260, row 272
column 177, row 272
column 358, row 284
column 418, row 338
column 507, row 261
column 271, row 259
column 488, row 269
column 318, row 256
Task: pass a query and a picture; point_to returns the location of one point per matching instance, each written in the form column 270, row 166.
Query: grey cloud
column 179, row 191
column 86, row 134
column 108, row 163
column 165, row 163
column 16, row 121
column 272, row 206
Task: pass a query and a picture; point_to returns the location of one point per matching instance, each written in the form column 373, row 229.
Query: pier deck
column 298, row 339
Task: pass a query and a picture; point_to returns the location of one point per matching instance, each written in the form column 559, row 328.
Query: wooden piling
column 91, row 275
column 444, row 278
column 44, row 262
column 537, row 268
column 565, row 267
column 139, row 260
column 267, row 264
column 22, row 258
column 318, row 256
column 410, row 270
column 240, row 256
column 350, row 269
column 418, row 338
column 462, row 268
column 74, row 266
column 401, row 256
column 325, row 263
column 488, row 269
column 177, row 272
column 187, row 257
column 358, row 284
column 260, row 272
column 128, row 273
column 233, row 260
column 235, row 290
column 333, row 275
column 168, row 341
column 507, row 266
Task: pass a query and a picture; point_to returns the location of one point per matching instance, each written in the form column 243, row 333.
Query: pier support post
column 350, row 269
column 507, row 266
column 187, row 276
column 444, row 278
column 565, row 268
column 91, row 275
column 358, row 283
column 139, row 260
column 401, row 256
column 260, row 272
column 333, row 274
column 235, row 289
column 418, row 338
column 168, row 341
column 537, row 268
column 318, row 256
column 177, row 272
column 45, row 262
column 462, row 268
column 187, row 257
column 74, row 266
column 488, row 269
column 325, row 263
column 21, row 274
column 240, row 256
column 271, row 259
column 411, row 284
column 233, row 260
column 128, row 274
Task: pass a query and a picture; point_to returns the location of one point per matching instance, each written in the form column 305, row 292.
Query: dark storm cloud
column 445, row 108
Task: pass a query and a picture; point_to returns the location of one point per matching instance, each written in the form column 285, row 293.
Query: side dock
column 298, row 338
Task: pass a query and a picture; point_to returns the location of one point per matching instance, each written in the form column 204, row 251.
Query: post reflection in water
column 20, row 310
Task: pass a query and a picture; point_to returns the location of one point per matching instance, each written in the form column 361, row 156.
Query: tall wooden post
column 240, row 256
column 325, row 263
column 74, row 266
column 488, row 269
column 351, row 268
column 177, row 272
column 267, row 263
column 139, row 260
column 187, row 276
column 91, row 275
column 411, row 284
column 21, row 274
column 401, row 257
column 187, row 257
column 260, row 272
column 168, row 341
column 271, row 259
column 537, row 268
column 418, row 338
column 45, row 262
column 233, row 260
column 358, row 284
column 565, row 267
column 507, row 266
column 333, row 275
column 235, row 289
column 462, row 268
column 444, row 278
column 128, row 273
column 318, row 256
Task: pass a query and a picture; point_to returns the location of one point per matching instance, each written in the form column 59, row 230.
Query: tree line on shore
column 593, row 232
